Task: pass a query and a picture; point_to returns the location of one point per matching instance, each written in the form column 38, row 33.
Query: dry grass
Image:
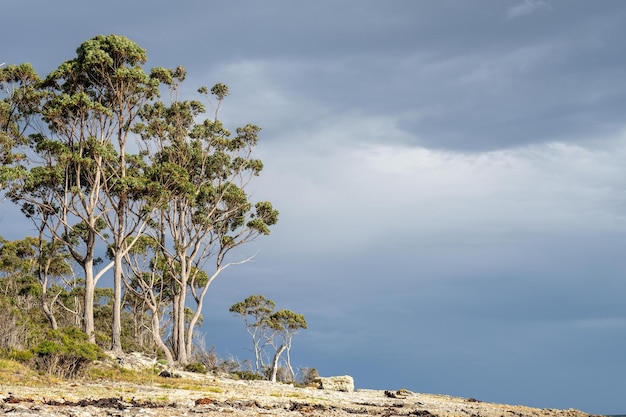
column 15, row 373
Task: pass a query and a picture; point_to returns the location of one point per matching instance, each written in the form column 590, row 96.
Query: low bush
column 196, row 367
column 247, row 375
column 23, row 356
column 308, row 376
column 65, row 353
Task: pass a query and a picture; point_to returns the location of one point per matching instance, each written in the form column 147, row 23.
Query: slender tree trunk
column 118, row 243
column 42, row 272
column 174, row 318
column 156, row 337
column 88, row 320
column 48, row 311
column 138, row 315
column 258, row 353
column 279, row 351
column 197, row 313
column 180, row 324
column 116, row 334
column 293, row 374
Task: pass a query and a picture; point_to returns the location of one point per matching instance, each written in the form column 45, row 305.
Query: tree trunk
column 293, row 374
column 116, row 333
column 88, row 320
column 48, row 311
column 156, row 337
column 279, row 351
column 178, row 328
column 196, row 315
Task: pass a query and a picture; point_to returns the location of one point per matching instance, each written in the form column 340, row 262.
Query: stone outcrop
column 343, row 383
column 134, row 361
column 223, row 397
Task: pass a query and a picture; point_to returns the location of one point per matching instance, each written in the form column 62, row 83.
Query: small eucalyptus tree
column 284, row 324
column 35, row 268
column 269, row 328
column 255, row 310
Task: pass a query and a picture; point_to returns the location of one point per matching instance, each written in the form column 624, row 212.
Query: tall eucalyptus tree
column 202, row 171
column 83, row 183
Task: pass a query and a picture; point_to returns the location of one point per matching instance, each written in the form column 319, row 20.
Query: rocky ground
column 194, row 395
column 128, row 388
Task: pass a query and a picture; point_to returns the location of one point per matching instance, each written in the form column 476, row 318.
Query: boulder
column 343, row 383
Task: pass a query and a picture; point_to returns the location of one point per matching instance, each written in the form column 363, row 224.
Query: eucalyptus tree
column 255, row 311
column 285, row 324
column 35, row 267
column 269, row 328
column 202, row 171
column 83, row 184
column 19, row 101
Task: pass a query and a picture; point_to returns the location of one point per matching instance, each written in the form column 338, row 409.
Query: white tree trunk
column 156, row 337
column 116, row 334
column 279, row 351
column 88, row 320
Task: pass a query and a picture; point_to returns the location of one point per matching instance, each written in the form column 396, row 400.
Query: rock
column 217, row 397
column 168, row 374
column 401, row 393
column 134, row 361
column 336, row 383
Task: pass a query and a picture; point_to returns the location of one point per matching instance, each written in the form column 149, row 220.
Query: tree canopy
column 269, row 328
column 96, row 158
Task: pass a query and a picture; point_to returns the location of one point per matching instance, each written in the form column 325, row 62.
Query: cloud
column 351, row 173
column 527, row 7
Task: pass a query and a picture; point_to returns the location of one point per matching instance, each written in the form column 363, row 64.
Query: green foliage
column 247, row 375
column 19, row 101
column 266, row 328
column 196, row 367
column 64, row 161
column 65, row 353
column 220, row 91
column 308, row 376
column 256, row 306
column 19, row 355
column 286, row 321
column 70, row 341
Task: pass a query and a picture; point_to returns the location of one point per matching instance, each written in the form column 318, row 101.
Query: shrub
column 308, row 376
column 19, row 355
column 14, row 333
column 247, row 375
column 196, row 367
column 65, row 353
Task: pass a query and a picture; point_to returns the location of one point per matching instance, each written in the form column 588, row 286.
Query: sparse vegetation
column 196, row 367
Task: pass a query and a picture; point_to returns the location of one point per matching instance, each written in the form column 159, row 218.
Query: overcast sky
column 449, row 175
